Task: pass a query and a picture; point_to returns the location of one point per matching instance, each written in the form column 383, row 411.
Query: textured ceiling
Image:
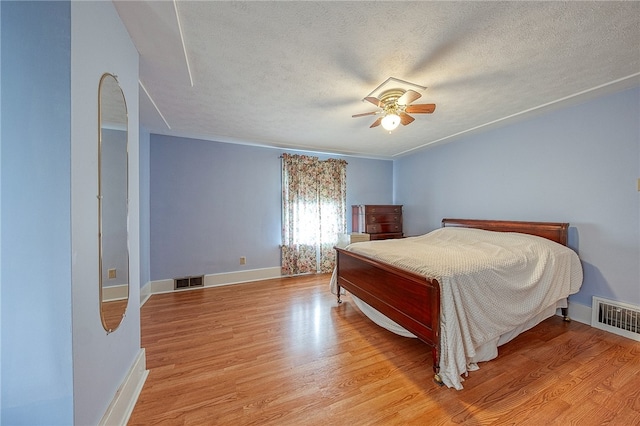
column 291, row 74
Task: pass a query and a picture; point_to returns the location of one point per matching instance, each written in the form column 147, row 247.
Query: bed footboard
column 410, row 300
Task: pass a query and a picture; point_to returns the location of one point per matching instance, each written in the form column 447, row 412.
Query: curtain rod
column 281, row 157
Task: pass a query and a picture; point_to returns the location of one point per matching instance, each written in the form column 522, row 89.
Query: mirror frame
column 111, row 318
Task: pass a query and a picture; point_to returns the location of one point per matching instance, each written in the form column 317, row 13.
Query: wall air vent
column 616, row 317
column 188, row 282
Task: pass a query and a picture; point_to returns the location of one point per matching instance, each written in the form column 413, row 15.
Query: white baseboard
column 127, row 394
column 214, row 280
column 145, row 293
column 161, row 286
column 115, row 292
column 580, row 313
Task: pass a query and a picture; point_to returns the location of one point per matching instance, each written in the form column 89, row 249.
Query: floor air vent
column 616, row 317
column 188, row 282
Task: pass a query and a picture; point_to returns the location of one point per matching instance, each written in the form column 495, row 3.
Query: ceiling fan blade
column 406, row 118
column 376, row 123
column 421, row 108
column 364, row 113
column 374, row 101
column 408, row 97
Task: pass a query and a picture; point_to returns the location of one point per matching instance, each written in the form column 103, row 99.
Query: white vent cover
column 616, row 317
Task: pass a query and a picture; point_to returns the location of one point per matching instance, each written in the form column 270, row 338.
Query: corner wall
column 213, row 202
column 579, row 165
column 100, row 43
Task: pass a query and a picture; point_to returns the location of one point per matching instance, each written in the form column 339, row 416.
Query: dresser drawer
column 383, row 218
column 386, row 236
column 382, row 210
column 376, row 228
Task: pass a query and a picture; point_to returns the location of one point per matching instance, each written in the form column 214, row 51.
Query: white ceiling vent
column 616, row 317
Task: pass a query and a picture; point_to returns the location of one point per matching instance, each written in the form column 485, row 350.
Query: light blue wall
column 368, row 182
column 36, row 369
column 100, row 43
column 145, row 239
column 579, row 165
column 58, row 365
column 0, row 219
column 211, row 203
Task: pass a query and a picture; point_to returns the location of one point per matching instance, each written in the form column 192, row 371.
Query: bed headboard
column 554, row 231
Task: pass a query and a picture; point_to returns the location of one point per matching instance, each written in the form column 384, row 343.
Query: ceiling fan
column 395, row 106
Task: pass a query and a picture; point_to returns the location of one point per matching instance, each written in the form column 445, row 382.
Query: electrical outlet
column 112, row 273
column 243, row 260
column 638, row 184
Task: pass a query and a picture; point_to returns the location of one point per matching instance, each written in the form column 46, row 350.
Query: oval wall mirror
column 113, row 200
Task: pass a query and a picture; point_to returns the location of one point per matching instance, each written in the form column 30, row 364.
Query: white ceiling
column 291, row 74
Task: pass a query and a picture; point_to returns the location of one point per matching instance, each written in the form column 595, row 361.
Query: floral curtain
column 313, row 212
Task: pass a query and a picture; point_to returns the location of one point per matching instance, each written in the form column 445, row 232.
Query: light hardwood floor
column 282, row 352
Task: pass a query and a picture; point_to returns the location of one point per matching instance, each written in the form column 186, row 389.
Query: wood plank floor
column 282, row 352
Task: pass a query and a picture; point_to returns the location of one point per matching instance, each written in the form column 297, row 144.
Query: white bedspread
column 491, row 283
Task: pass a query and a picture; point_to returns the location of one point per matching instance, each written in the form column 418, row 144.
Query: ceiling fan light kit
column 395, row 103
column 390, row 121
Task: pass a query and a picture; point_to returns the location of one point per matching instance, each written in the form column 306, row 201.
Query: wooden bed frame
column 412, row 300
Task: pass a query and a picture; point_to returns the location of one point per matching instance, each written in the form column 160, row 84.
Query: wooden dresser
column 379, row 221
